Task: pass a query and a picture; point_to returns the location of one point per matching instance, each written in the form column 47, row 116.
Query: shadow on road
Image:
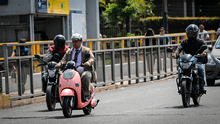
column 73, row 116
column 182, row 107
column 58, row 109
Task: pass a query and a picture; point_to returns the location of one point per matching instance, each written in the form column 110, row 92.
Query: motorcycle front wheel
column 185, row 92
column 50, row 98
column 196, row 97
column 67, row 109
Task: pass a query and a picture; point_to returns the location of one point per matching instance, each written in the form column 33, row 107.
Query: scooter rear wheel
column 67, row 109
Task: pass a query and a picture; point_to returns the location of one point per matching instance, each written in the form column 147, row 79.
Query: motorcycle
column 71, row 93
column 188, row 79
column 52, row 94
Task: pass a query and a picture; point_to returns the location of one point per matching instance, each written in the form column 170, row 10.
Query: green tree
column 120, row 12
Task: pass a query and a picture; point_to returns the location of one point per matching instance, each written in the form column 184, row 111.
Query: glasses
column 161, row 30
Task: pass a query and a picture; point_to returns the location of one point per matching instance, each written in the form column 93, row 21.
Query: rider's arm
column 91, row 60
column 179, row 49
column 48, row 56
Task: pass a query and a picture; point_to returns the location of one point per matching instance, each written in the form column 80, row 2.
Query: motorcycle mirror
column 87, row 55
column 210, row 47
column 37, row 56
column 169, row 49
column 202, row 48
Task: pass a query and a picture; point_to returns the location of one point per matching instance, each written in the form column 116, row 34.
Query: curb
column 5, row 100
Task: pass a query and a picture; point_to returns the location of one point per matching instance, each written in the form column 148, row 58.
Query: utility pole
column 165, row 15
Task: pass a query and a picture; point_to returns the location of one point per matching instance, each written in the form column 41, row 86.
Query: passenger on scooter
column 58, row 47
column 78, row 54
column 190, row 46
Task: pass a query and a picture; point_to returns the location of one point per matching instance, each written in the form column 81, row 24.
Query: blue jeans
column 201, row 73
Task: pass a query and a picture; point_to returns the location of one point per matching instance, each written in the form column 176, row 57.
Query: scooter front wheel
column 87, row 110
column 67, row 109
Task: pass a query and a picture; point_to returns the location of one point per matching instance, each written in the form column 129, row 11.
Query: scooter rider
column 77, row 54
column 58, row 47
column 190, row 46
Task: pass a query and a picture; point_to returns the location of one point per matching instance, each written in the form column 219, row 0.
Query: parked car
column 212, row 67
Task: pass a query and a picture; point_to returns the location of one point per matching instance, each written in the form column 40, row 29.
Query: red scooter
column 71, row 93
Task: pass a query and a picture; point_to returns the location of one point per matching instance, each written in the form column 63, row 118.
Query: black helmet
column 192, row 31
column 59, row 41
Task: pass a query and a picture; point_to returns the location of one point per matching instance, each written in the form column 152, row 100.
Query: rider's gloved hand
column 203, row 54
column 58, row 65
column 86, row 64
column 55, row 51
column 175, row 56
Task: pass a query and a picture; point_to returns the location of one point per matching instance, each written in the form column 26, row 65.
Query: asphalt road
column 147, row 103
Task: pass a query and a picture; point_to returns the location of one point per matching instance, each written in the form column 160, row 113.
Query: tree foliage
column 116, row 11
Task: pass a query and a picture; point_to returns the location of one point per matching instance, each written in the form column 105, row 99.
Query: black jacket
column 191, row 47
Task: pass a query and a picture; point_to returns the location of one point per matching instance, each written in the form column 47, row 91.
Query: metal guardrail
column 125, row 54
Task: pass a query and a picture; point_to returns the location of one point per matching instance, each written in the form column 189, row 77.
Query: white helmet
column 76, row 36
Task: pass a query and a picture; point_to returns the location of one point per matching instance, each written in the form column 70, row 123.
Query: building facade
column 38, row 20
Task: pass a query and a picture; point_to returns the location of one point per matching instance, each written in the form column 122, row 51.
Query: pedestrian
column 24, row 65
column 201, row 30
column 162, row 42
column 162, row 33
column 150, row 32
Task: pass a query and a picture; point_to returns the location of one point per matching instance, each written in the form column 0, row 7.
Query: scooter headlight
column 51, row 72
column 68, row 74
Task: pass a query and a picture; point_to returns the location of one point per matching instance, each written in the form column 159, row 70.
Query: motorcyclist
column 190, row 46
column 58, row 47
column 77, row 54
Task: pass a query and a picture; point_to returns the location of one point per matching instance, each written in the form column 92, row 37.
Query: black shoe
column 86, row 99
column 203, row 91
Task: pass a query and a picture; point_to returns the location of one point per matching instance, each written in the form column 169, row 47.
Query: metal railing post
column 103, row 66
column 137, row 60
column 158, row 59
column 19, row 77
column 1, row 90
column 144, row 60
column 129, row 61
column 6, row 68
column 121, row 61
column 151, row 60
column 112, row 60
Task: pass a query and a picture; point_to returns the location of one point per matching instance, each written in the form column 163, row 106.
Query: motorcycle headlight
column 68, row 74
column 185, row 65
column 51, row 72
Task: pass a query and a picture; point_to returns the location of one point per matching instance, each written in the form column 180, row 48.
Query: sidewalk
column 10, row 101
